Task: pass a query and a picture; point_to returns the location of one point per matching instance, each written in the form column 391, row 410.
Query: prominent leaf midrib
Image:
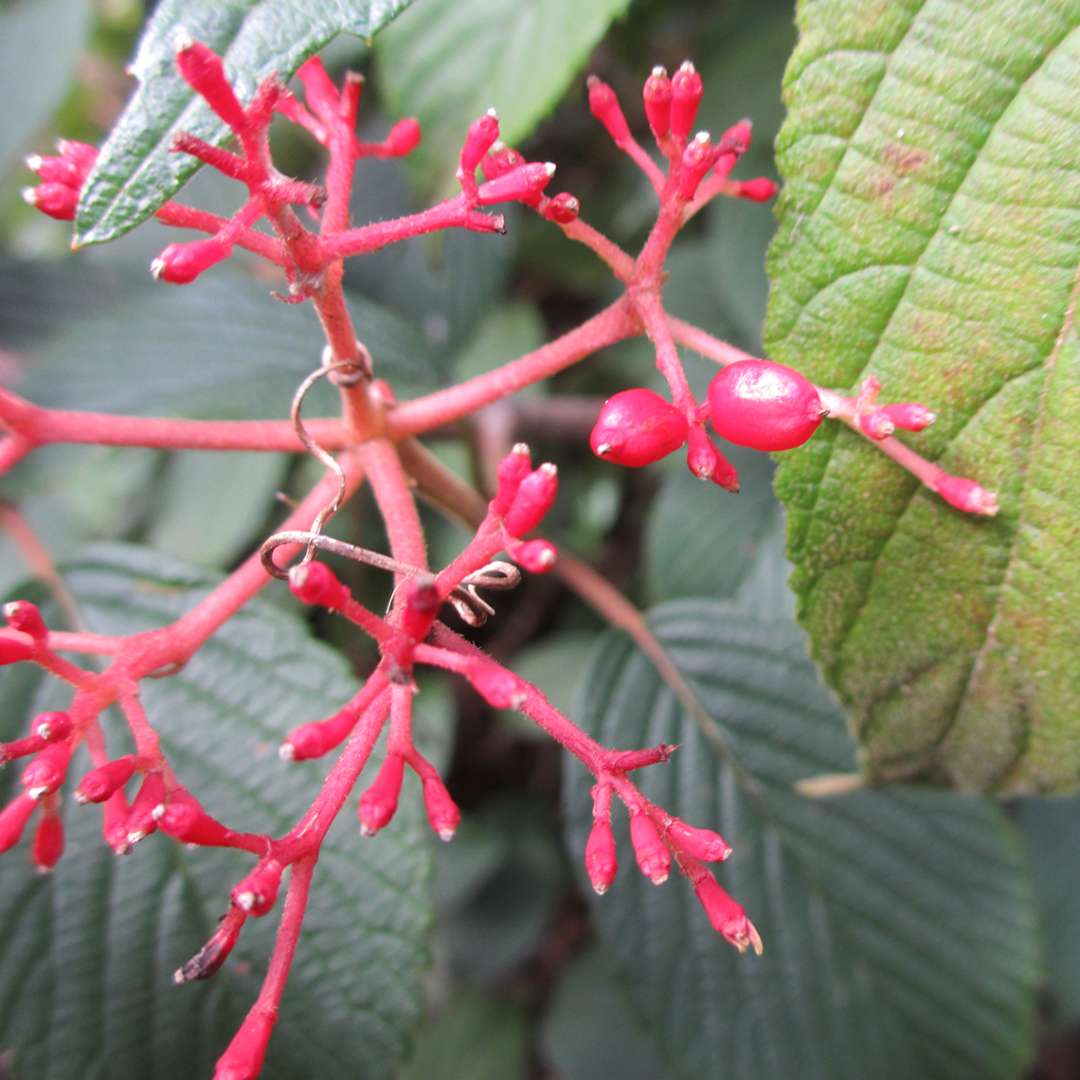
column 856, row 610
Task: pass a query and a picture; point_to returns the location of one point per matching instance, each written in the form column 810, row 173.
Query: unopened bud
column 697, row 160
column 13, row 819
column 181, row 264
column 114, row 822
column 26, row 617
column 51, row 726
column 46, row 772
column 760, row 189
column 146, row 808
column 21, row 748
column 737, row 137
column 500, row 688
column 442, row 812
column 703, row 844
column 562, row 208
column 202, row 69
column 533, row 500
column 185, row 820
column 316, row 583
column 481, row 135
column 499, row 161
column 422, row 604
column 215, row 952
column 876, row 424
column 512, row 470
column 726, row 915
column 536, row 556
column 604, row 105
column 524, row 184
column 100, row 783
column 12, row 650
column 910, row 415
column 379, row 803
column 966, row 495
column 601, row 859
column 82, row 154
column 319, row 737
column 403, row 139
column 57, row 200
column 686, row 91
column 56, row 170
column 657, row 97
column 257, row 892
column 48, row 844
column 653, row 857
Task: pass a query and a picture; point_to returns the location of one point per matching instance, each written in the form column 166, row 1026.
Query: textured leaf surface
column 899, row 928
column 137, row 172
column 87, row 954
column 449, row 60
column 930, row 235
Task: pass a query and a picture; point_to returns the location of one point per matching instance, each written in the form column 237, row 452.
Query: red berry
column 763, row 405
column 637, row 427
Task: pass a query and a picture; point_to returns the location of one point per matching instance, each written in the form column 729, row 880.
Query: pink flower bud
column 763, row 405
column 12, row 650
column 760, row 189
column 46, row 772
column 185, row 820
column 536, row 556
column 697, row 160
column 48, row 844
column 686, row 91
column 114, row 822
column 314, row 739
column 500, row 688
column 442, row 812
column 21, row 748
column 243, row 1059
column 876, row 424
column 56, row 170
column 51, row 726
column 13, row 819
column 562, row 208
column 657, row 96
column 316, row 583
column 737, row 137
column 512, row 470
column 637, row 427
column 966, row 495
column 707, row 463
column 146, row 808
column 208, row 960
column 57, row 200
column 26, row 618
column 257, row 892
column 100, row 783
column 82, row 154
column 653, row 857
column 703, row 844
column 523, row 184
column 481, row 135
column 499, row 161
column 181, row 264
column 422, row 604
column 379, row 803
column 202, row 69
column 601, row 859
column 604, row 105
column 727, row 916
column 910, row 415
column 404, row 138
column 533, row 500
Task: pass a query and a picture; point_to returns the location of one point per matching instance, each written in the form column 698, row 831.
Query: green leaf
column 88, row 952
column 137, row 171
column 449, row 60
column 489, row 1033
column 33, row 81
column 929, row 235
column 221, row 348
column 899, row 927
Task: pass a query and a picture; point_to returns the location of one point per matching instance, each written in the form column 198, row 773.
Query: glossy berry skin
column 763, row 405
column 636, row 428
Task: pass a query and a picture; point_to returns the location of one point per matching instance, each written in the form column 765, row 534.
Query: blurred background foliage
column 521, row 982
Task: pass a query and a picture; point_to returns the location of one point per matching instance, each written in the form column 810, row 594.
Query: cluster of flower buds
column 62, row 178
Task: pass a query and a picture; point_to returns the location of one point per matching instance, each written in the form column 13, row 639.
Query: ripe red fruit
column 637, row 427
column 763, row 405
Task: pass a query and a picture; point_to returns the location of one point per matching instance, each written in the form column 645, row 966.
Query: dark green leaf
column 899, row 927
column 33, row 80
column 88, row 953
column 137, row 171
column 929, row 235
column 449, row 60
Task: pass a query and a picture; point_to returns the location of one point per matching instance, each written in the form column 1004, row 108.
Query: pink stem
column 393, row 494
column 187, row 217
column 704, row 343
column 614, row 323
column 667, row 355
column 621, row 264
